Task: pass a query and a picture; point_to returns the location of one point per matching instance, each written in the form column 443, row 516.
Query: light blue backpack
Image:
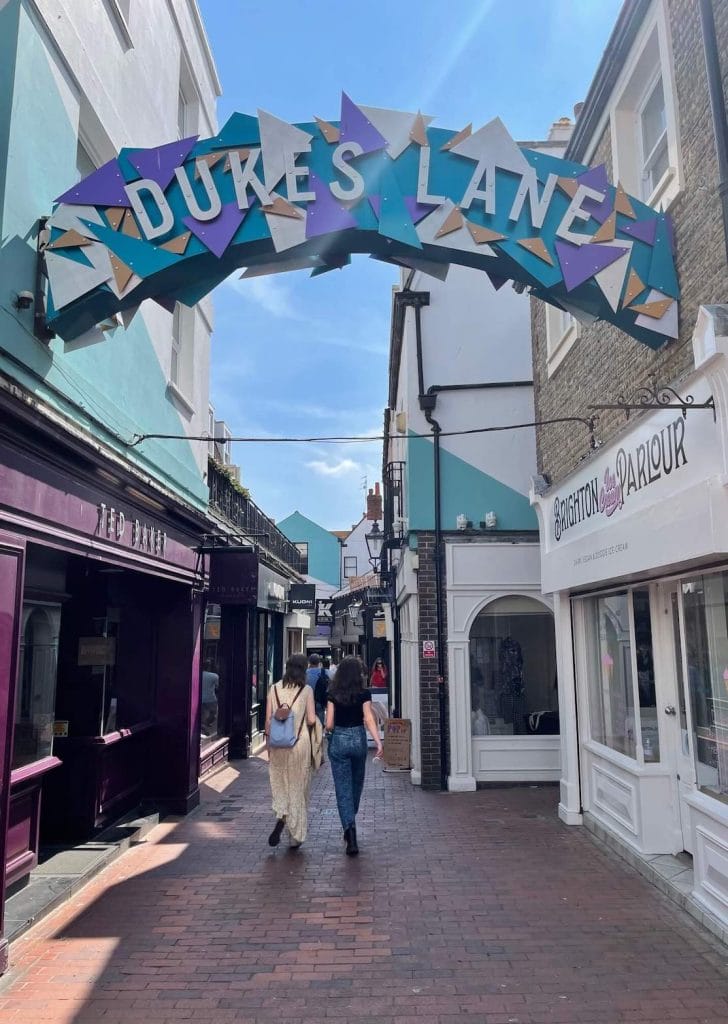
column 282, row 723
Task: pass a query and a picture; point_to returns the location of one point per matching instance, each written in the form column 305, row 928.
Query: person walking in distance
column 290, row 765
column 348, row 711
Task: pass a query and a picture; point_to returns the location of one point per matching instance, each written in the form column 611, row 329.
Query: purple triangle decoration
column 356, row 127
column 643, row 230
column 580, row 262
column 217, row 234
column 104, row 187
column 376, row 204
column 596, row 178
column 159, row 163
column 418, row 211
column 325, row 214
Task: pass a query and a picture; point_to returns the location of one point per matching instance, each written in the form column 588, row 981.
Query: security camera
column 24, row 300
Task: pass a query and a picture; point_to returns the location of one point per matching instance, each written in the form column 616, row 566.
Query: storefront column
column 236, row 654
column 570, row 801
column 11, row 597
column 461, row 779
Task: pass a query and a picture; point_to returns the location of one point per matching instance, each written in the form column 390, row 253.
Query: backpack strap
column 275, row 694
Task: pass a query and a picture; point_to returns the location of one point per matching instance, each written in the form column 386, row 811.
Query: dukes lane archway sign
column 172, row 222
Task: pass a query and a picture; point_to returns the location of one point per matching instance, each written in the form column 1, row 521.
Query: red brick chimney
column 374, row 503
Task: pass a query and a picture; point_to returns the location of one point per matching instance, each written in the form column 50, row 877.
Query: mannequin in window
column 511, row 696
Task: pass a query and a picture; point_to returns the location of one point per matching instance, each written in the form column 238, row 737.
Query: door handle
column 670, row 709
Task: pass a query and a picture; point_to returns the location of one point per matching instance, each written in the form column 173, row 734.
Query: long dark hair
column 295, row 673
column 349, row 681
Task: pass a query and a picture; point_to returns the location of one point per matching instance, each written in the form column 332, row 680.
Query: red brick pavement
column 472, row 907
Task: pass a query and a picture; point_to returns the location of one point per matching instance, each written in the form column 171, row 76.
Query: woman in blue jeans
column 348, row 711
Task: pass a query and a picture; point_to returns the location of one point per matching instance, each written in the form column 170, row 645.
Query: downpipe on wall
column 717, row 106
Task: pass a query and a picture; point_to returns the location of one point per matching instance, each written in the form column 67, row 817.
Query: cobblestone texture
column 604, row 362
column 475, row 907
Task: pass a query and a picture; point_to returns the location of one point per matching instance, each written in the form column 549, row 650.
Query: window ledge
column 558, row 353
column 666, row 191
column 180, row 397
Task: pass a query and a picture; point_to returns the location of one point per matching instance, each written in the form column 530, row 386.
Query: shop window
column 36, row 685
column 705, row 605
column 643, row 117
column 513, row 682
column 211, row 689
column 621, row 676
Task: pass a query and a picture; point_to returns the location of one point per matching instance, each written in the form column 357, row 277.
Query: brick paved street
column 474, row 907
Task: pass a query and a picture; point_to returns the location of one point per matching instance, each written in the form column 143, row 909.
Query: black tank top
column 347, row 716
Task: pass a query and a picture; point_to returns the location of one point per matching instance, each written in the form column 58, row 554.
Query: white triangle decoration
column 286, row 232
column 276, row 139
column 263, row 269
column 667, row 324
column 395, row 126
column 611, row 279
column 460, row 239
column 69, row 218
column 69, row 279
column 493, row 145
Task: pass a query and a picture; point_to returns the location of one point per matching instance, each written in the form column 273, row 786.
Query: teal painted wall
column 114, row 388
column 324, row 550
column 464, row 488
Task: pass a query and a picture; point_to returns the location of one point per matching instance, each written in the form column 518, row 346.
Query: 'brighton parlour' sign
column 171, row 222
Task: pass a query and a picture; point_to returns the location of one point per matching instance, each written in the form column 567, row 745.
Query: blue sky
column 300, row 356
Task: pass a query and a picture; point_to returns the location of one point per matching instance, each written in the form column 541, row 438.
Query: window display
column 211, row 688
column 611, row 687
column 705, row 607
column 513, row 669
column 36, row 684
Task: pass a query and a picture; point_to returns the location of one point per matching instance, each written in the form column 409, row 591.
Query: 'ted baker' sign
column 113, row 523
column 636, row 468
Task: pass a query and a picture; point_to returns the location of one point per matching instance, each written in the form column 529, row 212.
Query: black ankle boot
column 275, row 837
column 351, row 844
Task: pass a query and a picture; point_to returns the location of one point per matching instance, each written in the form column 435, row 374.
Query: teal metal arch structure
column 171, row 222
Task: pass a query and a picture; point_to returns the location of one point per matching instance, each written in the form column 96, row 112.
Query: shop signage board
column 302, row 597
column 172, row 222
column 233, row 577
column 324, row 613
column 397, row 742
column 648, row 500
column 96, row 650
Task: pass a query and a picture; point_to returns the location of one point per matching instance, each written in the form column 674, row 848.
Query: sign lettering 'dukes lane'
column 170, row 223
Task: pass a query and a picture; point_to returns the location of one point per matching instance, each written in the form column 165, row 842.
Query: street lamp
column 374, row 539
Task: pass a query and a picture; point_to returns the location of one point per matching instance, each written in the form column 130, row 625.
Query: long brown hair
column 295, row 673
column 349, row 681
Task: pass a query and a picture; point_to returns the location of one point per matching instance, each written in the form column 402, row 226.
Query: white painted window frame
column 182, row 342
column 623, row 113
column 559, row 340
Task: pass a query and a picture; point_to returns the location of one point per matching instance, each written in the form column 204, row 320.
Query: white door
column 675, row 710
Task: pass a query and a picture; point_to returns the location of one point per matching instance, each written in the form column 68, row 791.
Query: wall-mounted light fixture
column 490, row 522
column 462, row 522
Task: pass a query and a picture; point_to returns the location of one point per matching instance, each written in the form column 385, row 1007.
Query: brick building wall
column 429, row 686
column 604, row 362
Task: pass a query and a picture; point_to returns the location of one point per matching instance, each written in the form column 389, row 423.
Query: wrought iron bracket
column 657, row 396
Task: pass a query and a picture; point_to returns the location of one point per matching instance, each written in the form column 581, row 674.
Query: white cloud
column 341, row 468
column 267, row 292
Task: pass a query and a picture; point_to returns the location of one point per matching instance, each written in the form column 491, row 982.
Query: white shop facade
column 634, row 552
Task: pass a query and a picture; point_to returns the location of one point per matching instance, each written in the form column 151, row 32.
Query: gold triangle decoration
column 655, row 309
column 457, row 139
column 608, row 229
column 452, row 222
column 68, row 239
column 129, row 226
column 328, row 130
column 122, row 273
column 568, row 185
column 280, row 207
column 481, row 235
column 242, row 153
column 622, row 204
column 208, row 158
column 634, row 288
column 115, row 215
column 537, row 247
column 418, row 132
column 177, row 245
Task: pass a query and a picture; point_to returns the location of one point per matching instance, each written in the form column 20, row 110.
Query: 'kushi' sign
column 172, row 222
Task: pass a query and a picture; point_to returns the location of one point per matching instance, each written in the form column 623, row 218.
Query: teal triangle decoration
column 662, row 273
column 395, row 220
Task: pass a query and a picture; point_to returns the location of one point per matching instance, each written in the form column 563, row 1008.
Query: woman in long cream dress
column 291, row 767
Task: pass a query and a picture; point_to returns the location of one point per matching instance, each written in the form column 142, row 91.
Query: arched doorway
column 513, row 691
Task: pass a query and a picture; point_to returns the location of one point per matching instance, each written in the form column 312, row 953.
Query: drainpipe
column 717, row 106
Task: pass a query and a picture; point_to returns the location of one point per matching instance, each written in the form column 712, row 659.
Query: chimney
column 374, row 503
column 578, row 107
